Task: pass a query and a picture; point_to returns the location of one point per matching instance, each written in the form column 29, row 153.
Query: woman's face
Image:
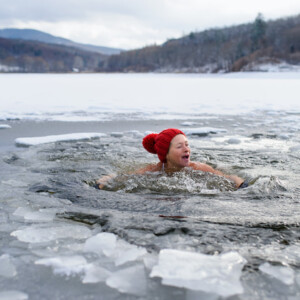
column 178, row 156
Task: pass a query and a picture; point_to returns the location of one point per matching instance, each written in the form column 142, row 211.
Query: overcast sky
column 132, row 24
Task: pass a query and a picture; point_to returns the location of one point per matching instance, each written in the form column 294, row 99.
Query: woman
column 173, row 151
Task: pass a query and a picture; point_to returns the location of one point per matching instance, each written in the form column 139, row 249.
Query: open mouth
column 186, row 156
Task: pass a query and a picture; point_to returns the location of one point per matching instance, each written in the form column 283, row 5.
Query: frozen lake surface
column 186, row 236
column 99, row 97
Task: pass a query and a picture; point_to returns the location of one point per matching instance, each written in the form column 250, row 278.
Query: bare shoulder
column 149, row 168
column 201, row 167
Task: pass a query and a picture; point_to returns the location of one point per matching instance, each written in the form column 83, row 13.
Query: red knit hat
column 159, row 143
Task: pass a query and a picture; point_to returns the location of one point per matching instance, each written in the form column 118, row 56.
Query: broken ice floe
column 117, row 134
column 120, row 251
column 4, row 126
column 31, row 141
column 74, row 265
column 38, row 234
column 66, row 265
column 13, row 295
column 42, row 215
column 131, row 280
column 219, row 274
column 7, row 268
column 95, row 273
column 203, row 131
column 284, row 274
column 188, row 123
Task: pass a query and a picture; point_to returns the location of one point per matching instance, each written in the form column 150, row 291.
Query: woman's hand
column 102, row 182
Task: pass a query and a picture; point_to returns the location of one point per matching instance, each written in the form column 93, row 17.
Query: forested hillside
column 43, row 37
column 231, row 49
column 37, row 57
column 234, row 48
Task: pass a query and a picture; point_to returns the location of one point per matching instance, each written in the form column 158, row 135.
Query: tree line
column 227, row 49
column 37, row 57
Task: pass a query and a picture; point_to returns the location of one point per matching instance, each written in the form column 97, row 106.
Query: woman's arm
column 102, row 182
column 206, row 168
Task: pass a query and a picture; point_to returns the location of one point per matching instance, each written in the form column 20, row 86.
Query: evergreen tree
column 258, row 32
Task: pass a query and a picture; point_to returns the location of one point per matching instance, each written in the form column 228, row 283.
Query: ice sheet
column 94, row 97
column 219, row 274
column 31, row 141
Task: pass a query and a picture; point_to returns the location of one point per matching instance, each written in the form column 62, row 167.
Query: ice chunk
column 102, row 243
column 219, row 274
column 276, row 253
column 65, row 265
column 13, row 295
column 284, row 274
column 74, row 265
column 31, row 141
column 117, row 134
column 131, row 280
column 94, row 274
column 7, row 269
column 118, row 250
column 233, row 141
column 188, row 123
column 135, row 133
column 150, row 260
column 4, row 126
column 202, row 131
column 125, row 252
column 29, row 214
column 37, row 234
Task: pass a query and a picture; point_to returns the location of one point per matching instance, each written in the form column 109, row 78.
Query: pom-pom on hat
column 159, row 143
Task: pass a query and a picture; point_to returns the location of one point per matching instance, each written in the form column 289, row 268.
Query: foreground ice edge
column 213, row 274
column 129, row 270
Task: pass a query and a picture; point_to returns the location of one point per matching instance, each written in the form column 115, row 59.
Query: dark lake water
column 63, row 239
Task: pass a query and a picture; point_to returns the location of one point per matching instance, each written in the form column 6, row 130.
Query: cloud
column 135, row 23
